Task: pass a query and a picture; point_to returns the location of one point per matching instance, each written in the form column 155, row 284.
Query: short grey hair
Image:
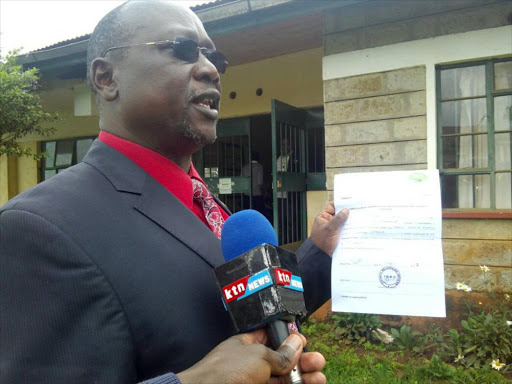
column 110, row 32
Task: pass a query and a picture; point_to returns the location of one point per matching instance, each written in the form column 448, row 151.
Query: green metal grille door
column 221, row 164
column 289, row 172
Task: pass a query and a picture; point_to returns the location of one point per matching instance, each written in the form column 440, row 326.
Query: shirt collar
column 163, row 170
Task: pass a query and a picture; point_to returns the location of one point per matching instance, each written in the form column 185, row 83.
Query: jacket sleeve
column 169, row 378
column 315, row 268
column 60, row 319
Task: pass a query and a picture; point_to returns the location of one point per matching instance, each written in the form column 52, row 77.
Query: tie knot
column 200, row 190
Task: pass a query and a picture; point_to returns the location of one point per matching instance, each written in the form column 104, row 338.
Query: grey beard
column 186, row 131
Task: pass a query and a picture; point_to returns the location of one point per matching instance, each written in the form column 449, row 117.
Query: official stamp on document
column 389, row 277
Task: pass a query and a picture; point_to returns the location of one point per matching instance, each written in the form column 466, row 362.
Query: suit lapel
column 159, row 205
column 156, row 202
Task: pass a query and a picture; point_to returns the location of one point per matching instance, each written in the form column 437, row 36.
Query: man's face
column 168, row 104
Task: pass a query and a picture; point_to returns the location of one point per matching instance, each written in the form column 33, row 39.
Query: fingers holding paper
column 325, row 230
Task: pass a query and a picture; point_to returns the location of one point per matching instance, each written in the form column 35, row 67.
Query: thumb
column 287, row 355
column 338, row 219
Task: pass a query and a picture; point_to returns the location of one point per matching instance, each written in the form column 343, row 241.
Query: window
column 474, row 134
column 63, row 154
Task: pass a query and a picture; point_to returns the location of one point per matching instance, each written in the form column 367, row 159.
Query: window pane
column 465, row 151
column 503, row 113
column 465, row 191
column 463, row 82
column 464, row 116
column 482, row 191
column 82, row 146
column 503, row 76
column 49, row 148
column 64, row 153
column 502, row 153
column 49, row 173
column 504, row 191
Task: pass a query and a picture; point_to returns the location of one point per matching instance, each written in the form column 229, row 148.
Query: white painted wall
column 460, row 47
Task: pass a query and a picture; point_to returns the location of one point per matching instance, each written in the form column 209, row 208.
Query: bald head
column 120, row 26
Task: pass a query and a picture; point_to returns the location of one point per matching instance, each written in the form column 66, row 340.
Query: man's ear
column 102, row 79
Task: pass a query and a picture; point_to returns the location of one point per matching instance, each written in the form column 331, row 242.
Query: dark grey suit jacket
column 105, row 277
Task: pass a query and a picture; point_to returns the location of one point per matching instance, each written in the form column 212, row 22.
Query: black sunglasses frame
column 184, row 49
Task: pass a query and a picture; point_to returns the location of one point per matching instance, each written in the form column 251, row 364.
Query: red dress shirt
column 163, row 170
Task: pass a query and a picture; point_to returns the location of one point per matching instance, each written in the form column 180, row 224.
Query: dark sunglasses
column 184, row 49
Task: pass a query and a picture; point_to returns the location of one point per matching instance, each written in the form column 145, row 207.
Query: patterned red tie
column 210, row 207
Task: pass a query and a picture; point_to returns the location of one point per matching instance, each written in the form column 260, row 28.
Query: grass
column 378, row 364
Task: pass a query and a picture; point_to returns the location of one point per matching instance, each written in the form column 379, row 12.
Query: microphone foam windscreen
column 245, row 230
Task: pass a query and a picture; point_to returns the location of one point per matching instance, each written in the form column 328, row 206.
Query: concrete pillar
column 8, row 178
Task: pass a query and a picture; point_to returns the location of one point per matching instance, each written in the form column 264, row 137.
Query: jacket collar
column 155, row 202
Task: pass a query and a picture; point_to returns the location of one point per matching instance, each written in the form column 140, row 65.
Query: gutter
column 52, row 53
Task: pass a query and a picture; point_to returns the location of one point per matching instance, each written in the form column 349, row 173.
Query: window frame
column 490, row 95
column 43, row 144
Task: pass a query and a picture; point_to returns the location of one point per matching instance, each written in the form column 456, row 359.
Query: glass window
column 503, row 76
column 82, row 146
column 62, row 154
column 463, row 82
column 475, row 130
column 50, row 150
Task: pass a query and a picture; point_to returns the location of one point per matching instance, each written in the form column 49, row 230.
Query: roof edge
column 241, row 14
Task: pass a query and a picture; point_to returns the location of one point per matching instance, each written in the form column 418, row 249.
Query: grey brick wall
column 375, row 122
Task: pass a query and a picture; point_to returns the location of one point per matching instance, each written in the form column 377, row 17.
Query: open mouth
column 208, row 100
column 208, row 103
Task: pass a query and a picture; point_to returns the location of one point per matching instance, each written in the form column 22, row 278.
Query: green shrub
column 436, row 369
column 486, row 337
column 354, row 327
column 407, row 339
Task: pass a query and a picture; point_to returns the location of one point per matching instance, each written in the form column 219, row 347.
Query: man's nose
column 204, row 70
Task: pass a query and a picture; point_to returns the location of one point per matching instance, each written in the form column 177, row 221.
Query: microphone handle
column 277, row 332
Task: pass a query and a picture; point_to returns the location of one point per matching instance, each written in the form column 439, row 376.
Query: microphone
column 260, row 283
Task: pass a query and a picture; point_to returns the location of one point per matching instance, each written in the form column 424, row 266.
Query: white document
column 389, row 259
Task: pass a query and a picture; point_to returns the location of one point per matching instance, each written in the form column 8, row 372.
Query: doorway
column 252, row 154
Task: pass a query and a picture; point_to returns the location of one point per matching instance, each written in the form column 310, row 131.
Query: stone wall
column 469, row 243
column 375, row 122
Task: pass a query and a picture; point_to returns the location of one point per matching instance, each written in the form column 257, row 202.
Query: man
column 254, row 170
column 106, row 268
column 287, row 203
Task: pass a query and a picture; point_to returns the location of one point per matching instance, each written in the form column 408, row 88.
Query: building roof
column 210, row 4
column 64, row 42
column 220, row 18
column 77, row 39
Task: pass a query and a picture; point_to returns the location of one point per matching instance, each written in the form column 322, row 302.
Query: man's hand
column 311, row 363
column 244, row 359
column 326, row 228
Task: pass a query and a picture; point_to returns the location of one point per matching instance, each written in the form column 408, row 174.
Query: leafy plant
column 354, row 327
column 407, row 339
column 437, row 369
column 21, row 112
column 487, row 336
column 453, row 346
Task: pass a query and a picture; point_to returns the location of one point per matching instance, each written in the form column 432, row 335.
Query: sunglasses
column 184, row 49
